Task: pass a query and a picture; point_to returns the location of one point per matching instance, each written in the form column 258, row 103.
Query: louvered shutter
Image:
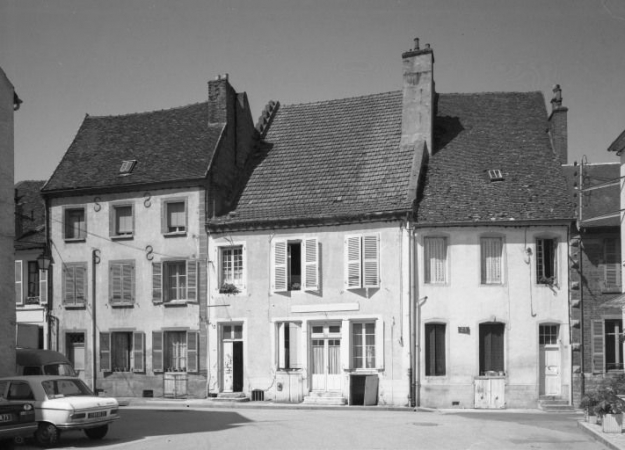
column 279, row 260
column 294, row 337
column 192, row 279
column 352, row 262
column 115, row 283
column 612, row 261
column 138, row 351
column 68, row 285
column 105, row 352
column 128, row 285
column 19, row 283
column 598, row 346
column 157, row 351
column 193, row 338
column 379, row 344
column 311, row 264
column 157, row 282
column 43, row 287
column 80, row 278
column 371, row 261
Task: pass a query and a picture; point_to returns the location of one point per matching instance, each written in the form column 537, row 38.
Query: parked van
column 32, row 361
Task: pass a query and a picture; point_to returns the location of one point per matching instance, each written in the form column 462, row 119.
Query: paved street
column 275, row 428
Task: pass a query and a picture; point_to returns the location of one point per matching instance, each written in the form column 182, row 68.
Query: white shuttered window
column 435, row 260
column 491, row 260
column 362, row 261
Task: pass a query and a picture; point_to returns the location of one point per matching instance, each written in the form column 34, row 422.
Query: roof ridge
column 336, row 100
column 490, row 92
column 175, row 108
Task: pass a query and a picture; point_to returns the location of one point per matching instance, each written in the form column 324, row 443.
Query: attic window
column 495, row 175
column 127, row 167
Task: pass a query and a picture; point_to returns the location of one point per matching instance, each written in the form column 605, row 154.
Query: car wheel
column 7, row 444
column 97, row 433
column 47, row 435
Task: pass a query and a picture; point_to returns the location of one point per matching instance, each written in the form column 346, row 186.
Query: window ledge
column 175, row 234
column 122, row 305
column 68, row 240
column 177, row 303
column 75, row 306
column 120, row 237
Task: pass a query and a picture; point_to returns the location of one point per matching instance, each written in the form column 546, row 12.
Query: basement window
column 495, row 175
column 127, row 167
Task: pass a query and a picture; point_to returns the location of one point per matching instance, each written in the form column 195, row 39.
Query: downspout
column 94, row 261
column 412, row 306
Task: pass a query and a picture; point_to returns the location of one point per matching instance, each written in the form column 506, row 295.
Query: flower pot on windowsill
column 228, row 288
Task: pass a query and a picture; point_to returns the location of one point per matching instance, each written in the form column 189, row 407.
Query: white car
column 61, row 404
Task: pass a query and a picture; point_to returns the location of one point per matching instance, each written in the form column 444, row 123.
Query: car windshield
column 65, row 388
column 62, row 369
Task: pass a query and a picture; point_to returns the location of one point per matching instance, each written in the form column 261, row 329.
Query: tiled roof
column 342, row 158
column 475, row 133
column 597, row 202
column 325, row 159
column 29, row 215
column 169, row 145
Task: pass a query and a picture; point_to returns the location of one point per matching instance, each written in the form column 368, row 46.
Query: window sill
column 178, row 303
column 175, row 234
column 121, row 237
column 122, row 305
column 69, row 241
column 75, row 306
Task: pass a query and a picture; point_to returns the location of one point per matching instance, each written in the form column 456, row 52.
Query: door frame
column 328, row 332
column 543, row 349
column 234, row 342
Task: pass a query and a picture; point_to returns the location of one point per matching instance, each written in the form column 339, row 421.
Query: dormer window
column 127, row 167
column 495, row 175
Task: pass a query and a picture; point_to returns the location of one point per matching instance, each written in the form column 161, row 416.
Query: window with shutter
column 612, row 264
column 491, row 260
column 362, row 261
column 105, row 352
column 33, row 280
column 434, row 349
column 121, row 221
column 157, row 351
column 193, row 343
column 74, row 284
column 435, row 260
column 174, row 216
column 121, row 282
column 138, row 350
column 279, row 279
column 19, row 283
column 295, row 265
column 598, row 354
column 364, row 345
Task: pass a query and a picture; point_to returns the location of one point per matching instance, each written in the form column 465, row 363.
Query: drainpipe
column 95, row 259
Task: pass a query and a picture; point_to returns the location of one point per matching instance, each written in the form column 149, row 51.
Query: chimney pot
column 427, row 46
column 416, row 43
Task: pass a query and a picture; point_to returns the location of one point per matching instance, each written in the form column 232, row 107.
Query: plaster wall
column 147, row 245
column 260, row 311
column 463, row 303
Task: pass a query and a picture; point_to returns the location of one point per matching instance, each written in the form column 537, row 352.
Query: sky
column 69, row 58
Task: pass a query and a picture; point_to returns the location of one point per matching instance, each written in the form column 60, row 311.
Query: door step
column 554, row 404
column 325, row 398
column 229, row 397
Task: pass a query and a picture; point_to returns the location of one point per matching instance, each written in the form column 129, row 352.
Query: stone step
column 229, row 397
column 316, row 399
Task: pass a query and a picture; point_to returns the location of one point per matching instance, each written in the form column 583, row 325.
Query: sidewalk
column 614, row 441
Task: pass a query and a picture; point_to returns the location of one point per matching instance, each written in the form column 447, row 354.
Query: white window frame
column 82, row 231
column 241, row 284
column 281, row 280
column 435, row 260
column 113, row 221
column 378, row 324
column 540, row 279
column 493, row 277
column 165, row 216
column 362, row 261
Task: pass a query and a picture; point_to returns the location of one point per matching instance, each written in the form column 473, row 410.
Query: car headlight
column 114, row 411
column 28, row 407
column 78, row 416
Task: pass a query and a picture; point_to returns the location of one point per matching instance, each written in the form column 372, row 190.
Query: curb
column 599, row 436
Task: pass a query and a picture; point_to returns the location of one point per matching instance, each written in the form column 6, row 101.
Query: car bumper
column 85, row 425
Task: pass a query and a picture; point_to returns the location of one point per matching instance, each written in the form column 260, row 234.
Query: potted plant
column 588, row 404
column 610, row 407
column 228, row 288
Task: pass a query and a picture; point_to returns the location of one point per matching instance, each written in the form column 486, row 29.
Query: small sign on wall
column 464, row 330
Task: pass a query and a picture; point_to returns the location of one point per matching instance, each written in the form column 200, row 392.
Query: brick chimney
column 418, row 96
column 220, row 100
column 558, row 126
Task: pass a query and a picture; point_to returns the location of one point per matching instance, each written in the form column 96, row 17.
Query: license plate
column 93, row 415
column 6, row 418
